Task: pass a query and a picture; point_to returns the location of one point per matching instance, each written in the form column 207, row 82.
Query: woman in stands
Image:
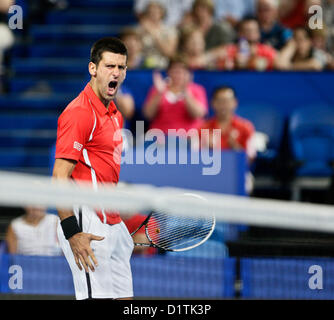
column 176, row 102
column 159, row 41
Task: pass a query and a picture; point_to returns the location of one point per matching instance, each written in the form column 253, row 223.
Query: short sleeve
column 74, row 129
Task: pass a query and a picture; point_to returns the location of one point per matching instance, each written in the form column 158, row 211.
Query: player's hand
column 83, row 253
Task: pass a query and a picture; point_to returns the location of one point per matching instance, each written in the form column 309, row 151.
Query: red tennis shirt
column 90, row 134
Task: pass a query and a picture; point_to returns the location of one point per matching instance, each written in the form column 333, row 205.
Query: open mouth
column 113, row 84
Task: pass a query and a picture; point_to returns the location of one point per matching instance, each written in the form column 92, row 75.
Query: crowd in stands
column 231, row 35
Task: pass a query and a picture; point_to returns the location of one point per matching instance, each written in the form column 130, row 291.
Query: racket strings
column 171, row 232
column 169, row 235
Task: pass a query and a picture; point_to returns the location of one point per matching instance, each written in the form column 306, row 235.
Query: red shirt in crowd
column 89, row 133
column 172, row 112
column 263, row 60
column 241, row 129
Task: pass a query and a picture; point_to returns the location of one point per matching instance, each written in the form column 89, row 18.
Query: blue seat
column 54, row 50
column 73, row 32
column 268, row 120
column 104, row 4
column 311, row 133
column 70, row 86
column 82, row 16
column 49, row 66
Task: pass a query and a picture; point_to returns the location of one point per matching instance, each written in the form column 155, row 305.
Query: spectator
column 175, row 10
column 159, row 40
column 272, row 32
column 236, row 133
column 6, row 35
column 234, row 11
column 177, row 102
column 294, row 13
column 215, row 34
column 132, row 41
column 328, row 11
column 132, row 223
column 33, row 234
column 192, row 49
column 249, row 53
column 299, row 53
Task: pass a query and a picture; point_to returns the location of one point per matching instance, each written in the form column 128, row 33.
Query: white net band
column 28, row 190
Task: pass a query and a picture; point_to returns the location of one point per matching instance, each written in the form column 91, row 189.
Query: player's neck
column 105, row 102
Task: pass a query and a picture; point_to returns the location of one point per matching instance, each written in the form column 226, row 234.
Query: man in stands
column 236, row 133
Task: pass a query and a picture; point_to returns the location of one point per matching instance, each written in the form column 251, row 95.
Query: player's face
column 224, row 104
column 108, row 75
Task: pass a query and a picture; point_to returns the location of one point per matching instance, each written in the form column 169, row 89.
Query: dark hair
column 178, row 59
column 128, row 32
column 246, row 19
column 108, row 44
column 308, row 31
column 223, row 88
column 206, row 3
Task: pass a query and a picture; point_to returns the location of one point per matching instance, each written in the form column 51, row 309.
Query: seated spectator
column 6, row 35
column 234, row 11
column 159, row 41
column 299, row 53
column 236, row 133
column 132, row 223
column 192, row 49
column 215, row 34
column 294, row 13
column 175, row 10
column 272, row 32
column 176, row 102
column 328, row 12
column 248, row 53
column 132, row 41
column 34, row 233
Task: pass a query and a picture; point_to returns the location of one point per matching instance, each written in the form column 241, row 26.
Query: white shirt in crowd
column 37, row 240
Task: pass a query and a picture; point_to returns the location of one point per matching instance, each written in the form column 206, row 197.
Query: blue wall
column 284, row 90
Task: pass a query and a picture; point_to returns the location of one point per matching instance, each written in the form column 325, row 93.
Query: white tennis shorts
column 112, row 278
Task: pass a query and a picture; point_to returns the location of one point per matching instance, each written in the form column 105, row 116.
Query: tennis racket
column 176, row 233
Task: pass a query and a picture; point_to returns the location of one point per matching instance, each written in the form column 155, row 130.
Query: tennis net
column 259, row 248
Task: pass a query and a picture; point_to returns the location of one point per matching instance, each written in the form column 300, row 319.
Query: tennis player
column 96, row 244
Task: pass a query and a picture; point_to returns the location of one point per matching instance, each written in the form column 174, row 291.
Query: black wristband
column 70, row 227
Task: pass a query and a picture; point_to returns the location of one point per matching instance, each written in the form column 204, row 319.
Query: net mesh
column 261, row 249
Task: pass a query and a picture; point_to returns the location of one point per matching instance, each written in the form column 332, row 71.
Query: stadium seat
column 268, row 120
column 103, row 4
column 269, row 125
column 91, row 16
column 15, row 102
column 73, row 32
column 49, row 66
column 311, row 133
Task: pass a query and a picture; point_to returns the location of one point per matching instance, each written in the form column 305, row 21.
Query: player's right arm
column 79, row 242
